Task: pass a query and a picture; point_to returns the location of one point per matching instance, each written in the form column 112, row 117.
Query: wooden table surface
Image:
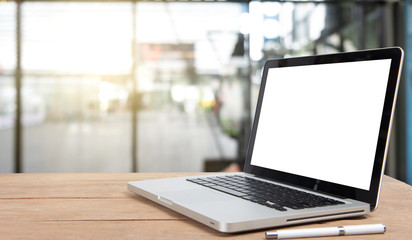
column 99, row 206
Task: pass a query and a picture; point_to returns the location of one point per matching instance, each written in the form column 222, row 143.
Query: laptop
column 317, row 148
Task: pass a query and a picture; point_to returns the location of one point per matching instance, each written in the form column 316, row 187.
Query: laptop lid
column 323, row 122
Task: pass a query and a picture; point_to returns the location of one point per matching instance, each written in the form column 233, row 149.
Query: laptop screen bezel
column 371, row 196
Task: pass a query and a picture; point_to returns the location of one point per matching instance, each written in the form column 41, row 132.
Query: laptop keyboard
column 264, row 193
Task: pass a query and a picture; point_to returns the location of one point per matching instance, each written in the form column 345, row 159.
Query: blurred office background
column 155, row 86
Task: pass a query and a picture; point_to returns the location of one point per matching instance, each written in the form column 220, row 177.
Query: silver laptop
column 317, row 149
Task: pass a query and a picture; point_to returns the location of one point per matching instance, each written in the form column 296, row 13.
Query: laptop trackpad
column 217, row 205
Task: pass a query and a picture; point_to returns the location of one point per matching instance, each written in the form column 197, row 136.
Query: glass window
column 78, row 85
column 185, row 57
column 76, row 63
column 7, row 86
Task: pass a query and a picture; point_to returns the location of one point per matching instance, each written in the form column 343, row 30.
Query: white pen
column 328, row 231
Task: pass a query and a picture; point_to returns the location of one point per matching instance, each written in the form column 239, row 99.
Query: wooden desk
column 99, row 206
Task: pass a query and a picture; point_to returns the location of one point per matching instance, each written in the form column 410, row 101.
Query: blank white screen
column 322, row 121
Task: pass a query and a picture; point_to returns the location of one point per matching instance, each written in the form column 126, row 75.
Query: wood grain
column 99, row 206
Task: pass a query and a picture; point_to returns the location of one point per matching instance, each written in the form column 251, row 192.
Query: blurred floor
column 176, row 141
column 168, row 141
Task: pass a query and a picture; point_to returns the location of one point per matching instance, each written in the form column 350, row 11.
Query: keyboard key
column 228, row 190
column 275, row 206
